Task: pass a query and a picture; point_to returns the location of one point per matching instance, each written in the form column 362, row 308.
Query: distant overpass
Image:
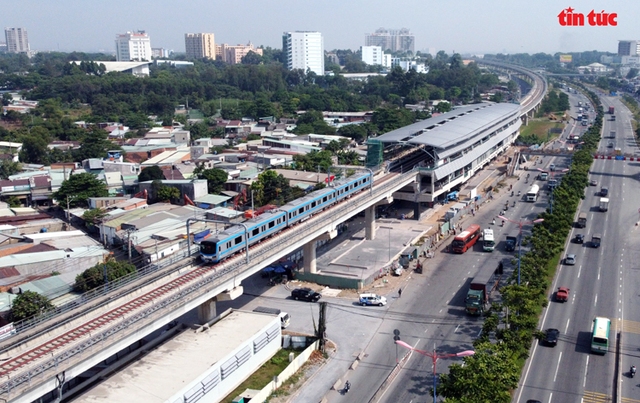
column 43, row 363
column 531, row 102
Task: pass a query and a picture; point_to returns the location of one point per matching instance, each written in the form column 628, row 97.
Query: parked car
column 372, row 299
column 551, row 337
column 579, row 238
column 305, row 294
column 570, row 259
column 562, row 295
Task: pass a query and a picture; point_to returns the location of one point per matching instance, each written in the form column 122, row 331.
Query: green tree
column 79, row 188
column 34, row 150
column 356, row 132
column 216, row 178
column 94, row 277
column 29, row 304
column 167, row 193
column 94, row 145
column 8, row 168
column 271, row 187
column 93, row 217
column 313, row 161
column 13, row 201
column 252, row 58
column 150, row 174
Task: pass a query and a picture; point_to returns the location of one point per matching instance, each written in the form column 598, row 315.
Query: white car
column 372, row 299
column 570, row 259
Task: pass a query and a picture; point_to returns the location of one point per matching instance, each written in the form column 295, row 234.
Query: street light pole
column 434, row 359
column 520, row 224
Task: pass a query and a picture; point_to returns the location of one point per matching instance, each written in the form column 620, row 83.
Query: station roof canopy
column 455, row 127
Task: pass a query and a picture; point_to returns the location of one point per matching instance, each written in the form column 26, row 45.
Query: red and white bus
column 466, row 239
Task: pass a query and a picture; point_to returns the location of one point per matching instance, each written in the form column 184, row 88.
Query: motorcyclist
column 514, row 204
column 347, row 386
column 519, row 193
column 493, row 222
column 512, row 193
column 503, row 223
column 633, row 370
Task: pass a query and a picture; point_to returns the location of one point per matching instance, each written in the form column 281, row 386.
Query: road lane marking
column 586, row 368
column 567, row 327
column 557, row 367
column 579, row 271
column 456, row 329
column 596, row 301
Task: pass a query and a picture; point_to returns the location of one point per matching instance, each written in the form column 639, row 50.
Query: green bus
column 600, row 335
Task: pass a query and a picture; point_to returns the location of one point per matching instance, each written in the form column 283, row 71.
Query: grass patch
column 541, row 129
column 264, row 374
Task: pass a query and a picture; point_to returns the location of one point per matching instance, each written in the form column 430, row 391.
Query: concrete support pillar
column 370, row 223
column 309, row 251
column 207, row 311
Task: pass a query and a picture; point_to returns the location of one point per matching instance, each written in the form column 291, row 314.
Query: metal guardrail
column 87, row 297
column 225, row 272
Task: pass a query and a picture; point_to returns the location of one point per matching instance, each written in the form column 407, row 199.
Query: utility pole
column 68, row 214
column 322, row 325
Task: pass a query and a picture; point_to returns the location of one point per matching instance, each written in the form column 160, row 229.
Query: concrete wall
column 213, row 385
column 288, row 372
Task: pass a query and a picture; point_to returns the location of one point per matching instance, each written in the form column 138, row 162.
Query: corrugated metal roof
column 451, row 128
column 29, row 258
column 137, row 213
column 212, row 199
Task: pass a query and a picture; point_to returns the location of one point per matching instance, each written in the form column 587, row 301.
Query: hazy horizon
column 463, row 27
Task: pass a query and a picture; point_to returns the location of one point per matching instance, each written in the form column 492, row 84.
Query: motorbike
column 519, row 193
column 633, row 371
column 493, row 222
column 512, row 193
column 503, row 223
column 347, row 386
column 514, row 204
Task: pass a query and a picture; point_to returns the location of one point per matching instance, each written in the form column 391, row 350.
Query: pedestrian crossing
column 629, row 326
column 595, row 397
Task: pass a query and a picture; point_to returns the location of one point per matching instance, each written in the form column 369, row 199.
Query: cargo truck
column 611, row 110
column 543, row 175
column 480, row 289
column 604, row 204
column 595, row 240
column 511, row 243
column 582, row 220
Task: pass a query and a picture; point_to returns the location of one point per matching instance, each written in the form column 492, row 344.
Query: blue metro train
column 232, row 240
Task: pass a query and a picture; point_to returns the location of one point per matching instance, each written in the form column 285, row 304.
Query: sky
column 460, row 26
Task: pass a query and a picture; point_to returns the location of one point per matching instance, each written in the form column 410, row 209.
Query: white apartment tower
column 200, row 46
column 17, row 40
column 374, row 55
column 304, row 50
column 133, row 47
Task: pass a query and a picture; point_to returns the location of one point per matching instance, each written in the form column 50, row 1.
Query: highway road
column 602, row 283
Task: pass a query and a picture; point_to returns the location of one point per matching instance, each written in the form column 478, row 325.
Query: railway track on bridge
column 37, row 360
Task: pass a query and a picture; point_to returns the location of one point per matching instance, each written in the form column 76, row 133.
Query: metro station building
column 447, row 149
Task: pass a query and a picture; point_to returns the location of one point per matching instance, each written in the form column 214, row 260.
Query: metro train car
column 232, row 240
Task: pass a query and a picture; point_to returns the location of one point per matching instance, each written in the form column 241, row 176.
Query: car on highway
column 533, row 401
column 552, row 167
column 570, row 259
column 593, row 182
column 372, row 299
column 551, row 337
column 562, row 295
column 305, row 294
column 579, row 238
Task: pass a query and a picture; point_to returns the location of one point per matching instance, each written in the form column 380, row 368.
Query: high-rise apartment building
column 394, row 40
column 233, row 54
column 304, row 50
column 628, row 48
column 133, row 47
column 17, row 40
column 200, row 46
column 373, row 55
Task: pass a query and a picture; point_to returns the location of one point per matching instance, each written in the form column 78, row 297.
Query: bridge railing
column 223, row 273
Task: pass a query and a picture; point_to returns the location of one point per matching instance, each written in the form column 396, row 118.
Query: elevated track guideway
column 35, row 370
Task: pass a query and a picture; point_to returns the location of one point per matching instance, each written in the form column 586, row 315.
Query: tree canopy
column 150, row 174
column 94, row 277
column 29, row 304
column 79, row 188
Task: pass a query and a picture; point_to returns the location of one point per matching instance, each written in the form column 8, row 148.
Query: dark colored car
column 579, row 238
column 305, row 294
column 551, row 337
column 533, row 401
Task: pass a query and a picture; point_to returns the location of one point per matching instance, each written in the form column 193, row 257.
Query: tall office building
column 304, row 50
column 394, row 40
column 200, row 46
column 133, row 47
column 17, row 40
column 628, row 48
